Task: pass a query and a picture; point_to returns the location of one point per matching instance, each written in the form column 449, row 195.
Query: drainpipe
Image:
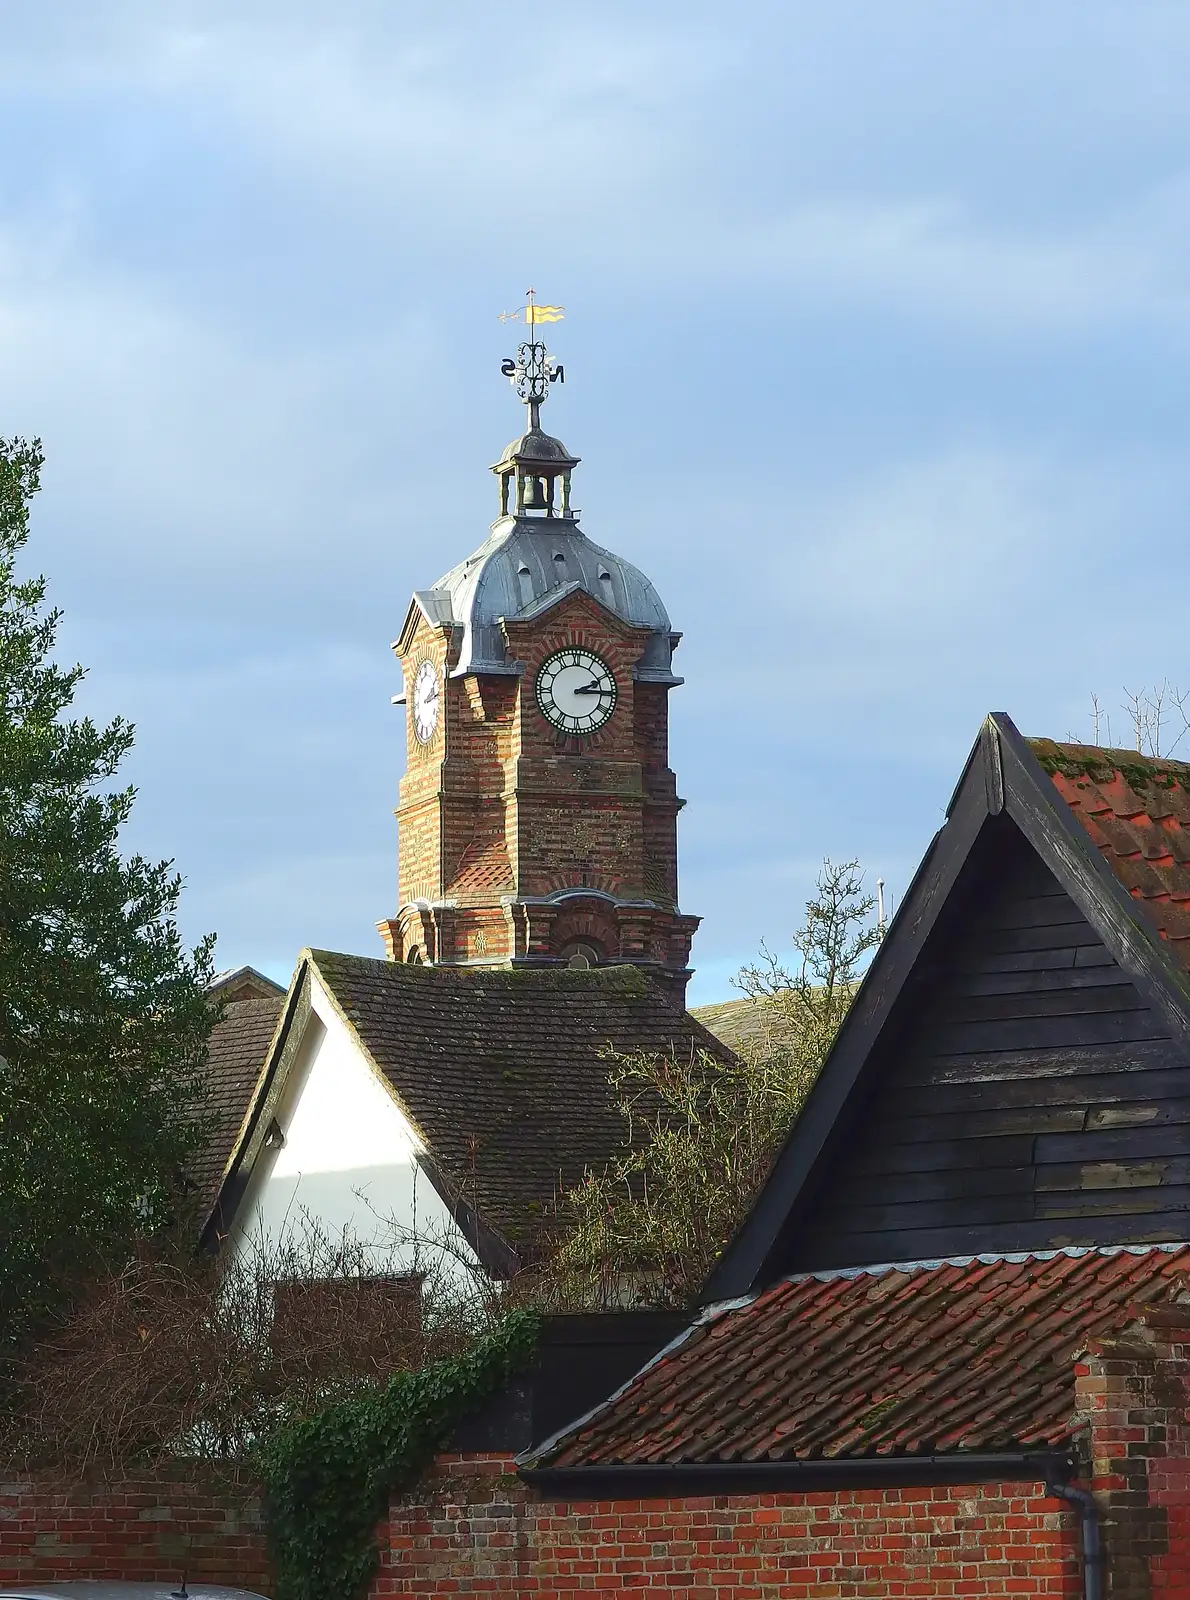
column 1092, row 1548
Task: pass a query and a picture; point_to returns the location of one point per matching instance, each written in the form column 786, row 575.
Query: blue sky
column 877, row 340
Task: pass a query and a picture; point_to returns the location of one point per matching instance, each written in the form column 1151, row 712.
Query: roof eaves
column 229, row 1193
column 673, row 1479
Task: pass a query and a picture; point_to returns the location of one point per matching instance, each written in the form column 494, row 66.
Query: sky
column 877, row 351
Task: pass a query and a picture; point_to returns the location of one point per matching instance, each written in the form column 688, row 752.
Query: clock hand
column 590, row 688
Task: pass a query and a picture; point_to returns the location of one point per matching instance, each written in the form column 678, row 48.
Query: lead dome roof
column 524, row 563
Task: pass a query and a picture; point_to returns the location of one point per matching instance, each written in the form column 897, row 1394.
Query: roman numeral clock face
column 424, row 702
column 576, row 690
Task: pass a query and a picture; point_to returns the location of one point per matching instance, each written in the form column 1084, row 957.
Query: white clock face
column 576, row 690
column 424, row 701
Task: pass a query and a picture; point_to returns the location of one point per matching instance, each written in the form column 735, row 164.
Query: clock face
column 424, row 701
column 576, row 690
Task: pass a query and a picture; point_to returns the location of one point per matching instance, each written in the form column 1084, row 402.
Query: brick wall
column 477, row 1530
column 150, row 1528
column 1133, row 1393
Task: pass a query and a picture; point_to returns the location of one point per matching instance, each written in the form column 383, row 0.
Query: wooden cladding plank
column 1108, row 1144
column 1138, row 1201
column 987, row 1122
column 823, row 1249
column 1053, row 1001
column 1005, row 941
column 861, row 1161
column 1136, row 1172
column 1037, row 981
column 953, row 1211
column 976, row 1125
column 917, row 1185
column 866, row 1161
column 1057, row 959
column 1143, row 1056
column 1106, row 1088
column 1039, row 1032
column 1054, row 910
column 964, row 1204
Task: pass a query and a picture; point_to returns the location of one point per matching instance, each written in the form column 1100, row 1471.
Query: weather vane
column 533, row 369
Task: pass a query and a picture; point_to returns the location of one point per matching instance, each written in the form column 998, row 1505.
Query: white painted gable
column 348, row 1164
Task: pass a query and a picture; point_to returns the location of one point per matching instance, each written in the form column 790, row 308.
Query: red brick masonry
column 481, row 1532
column 153, row 1528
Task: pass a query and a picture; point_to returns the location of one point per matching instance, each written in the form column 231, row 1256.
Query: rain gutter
column 666, row 1479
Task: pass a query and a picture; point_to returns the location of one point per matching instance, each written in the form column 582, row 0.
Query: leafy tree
column 703, row 1132
column 103, row 1014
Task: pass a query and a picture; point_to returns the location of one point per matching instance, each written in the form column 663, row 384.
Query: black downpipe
column 1092, row 1544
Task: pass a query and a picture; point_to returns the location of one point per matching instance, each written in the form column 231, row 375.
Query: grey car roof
column 523, row 563
column 118, row 1589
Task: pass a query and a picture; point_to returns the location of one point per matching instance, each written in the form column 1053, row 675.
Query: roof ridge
column 1059, row 754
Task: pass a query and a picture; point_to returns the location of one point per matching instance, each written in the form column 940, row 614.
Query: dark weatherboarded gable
column 1015, row 1074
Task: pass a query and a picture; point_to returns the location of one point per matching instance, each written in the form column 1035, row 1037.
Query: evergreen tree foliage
column 103, row 1014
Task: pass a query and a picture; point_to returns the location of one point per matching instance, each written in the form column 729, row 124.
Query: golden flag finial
column 532, row 314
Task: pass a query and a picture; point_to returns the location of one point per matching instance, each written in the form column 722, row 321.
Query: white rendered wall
column 348, row 1163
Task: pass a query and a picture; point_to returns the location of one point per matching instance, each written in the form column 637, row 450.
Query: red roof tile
column 1137, row 810
column 885, row 1362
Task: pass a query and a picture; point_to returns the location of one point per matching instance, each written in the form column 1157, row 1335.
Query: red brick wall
column 479, row 1531
column 1133, row 1392
column 151, row 1528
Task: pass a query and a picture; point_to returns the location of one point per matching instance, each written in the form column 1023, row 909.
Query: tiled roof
column 235, row 1056
column 742, row 1025
column 1137, row 810
column 888, row 1361
column 243, row 983
column 504, row 1072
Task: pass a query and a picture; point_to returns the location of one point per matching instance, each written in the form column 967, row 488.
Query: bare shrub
column 166, row 1355
column 703, row 1132
column 1158, row 719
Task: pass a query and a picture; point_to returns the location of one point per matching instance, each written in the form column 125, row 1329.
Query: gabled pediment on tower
column 1014, row 1073
column 553, row 598
column 432, row 606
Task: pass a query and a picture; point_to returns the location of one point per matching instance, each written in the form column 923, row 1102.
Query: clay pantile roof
column 235, row 1056
column 877, row 1363
column 504, row 1072
column 1137, row 810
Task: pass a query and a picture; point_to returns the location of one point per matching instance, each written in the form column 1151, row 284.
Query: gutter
column 667, row 1480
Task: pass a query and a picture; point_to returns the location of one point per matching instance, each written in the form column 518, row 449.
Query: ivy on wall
column 328, row 1478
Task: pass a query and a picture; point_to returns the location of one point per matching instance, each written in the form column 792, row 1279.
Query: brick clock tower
column 538, row 812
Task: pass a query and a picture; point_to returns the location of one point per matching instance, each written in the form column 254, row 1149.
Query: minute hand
column 591, row 688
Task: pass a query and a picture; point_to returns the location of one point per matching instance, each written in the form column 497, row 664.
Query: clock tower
column 538, row 813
